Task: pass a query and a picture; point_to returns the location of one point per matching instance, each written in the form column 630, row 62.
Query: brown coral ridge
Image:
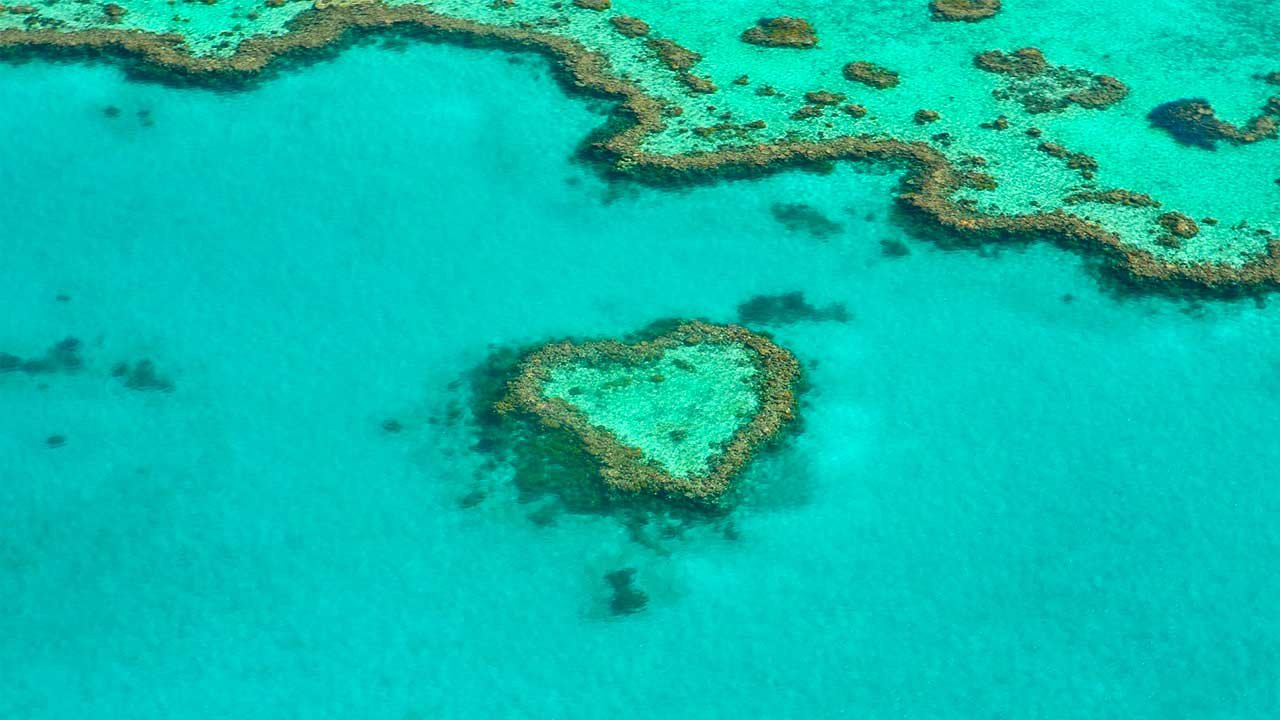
column 823, row 97
column 964, row 10
column 870, row 74
column 1193, row 122
column 927, row 187
column 630, row 26
column 674, row 55
column 790, row 32
column 1085, row 164
column 623, row 467
column 1127, row 198
column 681, row 59
column 1179, row 225
column 1024, row 62
column 1042, row 87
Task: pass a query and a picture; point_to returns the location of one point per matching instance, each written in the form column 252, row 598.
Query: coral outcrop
column 1194, row 122
column 790, row 32
column 1042, row 87
column 964, row 10
column 870, row 74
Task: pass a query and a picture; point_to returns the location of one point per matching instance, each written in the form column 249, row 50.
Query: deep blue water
column 1003, row 504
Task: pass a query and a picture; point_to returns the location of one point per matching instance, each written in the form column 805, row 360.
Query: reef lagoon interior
column 255, row 312
column 677, row 409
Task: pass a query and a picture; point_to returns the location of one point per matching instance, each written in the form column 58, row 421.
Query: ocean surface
column 1017, row 493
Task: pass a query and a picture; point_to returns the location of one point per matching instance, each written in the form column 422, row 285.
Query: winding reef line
column 928, row 183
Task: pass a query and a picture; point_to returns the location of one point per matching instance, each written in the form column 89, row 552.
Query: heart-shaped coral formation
column 678, row 413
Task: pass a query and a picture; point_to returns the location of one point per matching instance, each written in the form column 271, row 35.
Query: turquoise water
column 1014, row 494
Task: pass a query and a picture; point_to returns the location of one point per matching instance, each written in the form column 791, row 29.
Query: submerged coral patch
column 791, row 32
column 1126, row 198
column 870, row 74
column 679, row 414
column 965, row 10
column 625, row 598
column 142, row 375
column 799, row 217
column 1194, row 122
column 1041, row 87
column 789, row 308
column 62, row 357
column 630, row 26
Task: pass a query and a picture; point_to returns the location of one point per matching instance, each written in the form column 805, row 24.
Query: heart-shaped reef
column 679, row 413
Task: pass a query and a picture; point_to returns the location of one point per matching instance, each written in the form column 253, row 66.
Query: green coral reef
column 1003, row 146
column 655, row 429
column 678, row 413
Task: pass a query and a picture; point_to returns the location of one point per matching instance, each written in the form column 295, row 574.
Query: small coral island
column 677, row 413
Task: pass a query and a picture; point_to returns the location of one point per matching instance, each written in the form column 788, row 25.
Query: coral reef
column 1194, row 122
column 928, row 187
column 787, row 309
column 1126, row 198
column 1022, row 63
column 807, row 112
column 1085, row 164
column 1179, row 225
column 674, row 55
column 624, row 467
column 964, row 10
column 791, row 32
column 1041, row 87
column 697, row 83
column 597, row 5
column 870, row 74
column 630, row 26
column 823, row 97
column 925, row 116
column 1000, row 123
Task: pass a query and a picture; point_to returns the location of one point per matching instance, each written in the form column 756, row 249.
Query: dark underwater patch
column 802, row 218
column 141, row 376
column 627, row 599
column 62, row 357
column 789, row 308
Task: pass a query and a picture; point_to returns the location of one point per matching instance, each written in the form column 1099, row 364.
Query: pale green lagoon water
column 680, row 410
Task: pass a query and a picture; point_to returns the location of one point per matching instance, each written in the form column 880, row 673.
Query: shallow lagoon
column 1003, row 502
